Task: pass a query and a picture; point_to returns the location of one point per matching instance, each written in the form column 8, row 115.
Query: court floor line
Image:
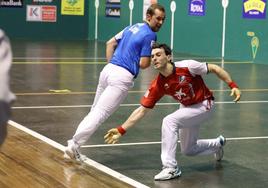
column 59, row 58
column 60, row 63
column 127, row 105
column 152, row 143
column 69, row 92
column 102, row 60
column 88, row 161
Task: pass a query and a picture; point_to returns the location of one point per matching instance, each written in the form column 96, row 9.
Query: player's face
column 159, row 58
column 156, row 21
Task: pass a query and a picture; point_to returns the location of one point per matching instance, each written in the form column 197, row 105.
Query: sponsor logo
column 181, row 79
column 11, row 3
column 40, row 13
column 166, row 86
column 42, row 1
column 197, row 7
column 255, row 9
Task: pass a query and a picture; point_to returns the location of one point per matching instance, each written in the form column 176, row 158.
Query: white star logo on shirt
column 179, row 94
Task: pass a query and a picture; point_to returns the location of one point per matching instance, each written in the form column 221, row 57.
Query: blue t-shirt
column 134, row 42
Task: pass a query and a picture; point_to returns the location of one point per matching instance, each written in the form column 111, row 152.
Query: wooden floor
column 26, row 161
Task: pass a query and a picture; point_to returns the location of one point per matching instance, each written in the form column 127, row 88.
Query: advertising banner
column 113, row 8
column 11, row 3
column 197, row 7
column 254, row 9
column 73, row 7
column 42, row 1
column 38, row 13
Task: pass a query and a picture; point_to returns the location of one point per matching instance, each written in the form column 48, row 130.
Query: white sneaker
column 168, row 173
column 72, row 152
column 219, row 154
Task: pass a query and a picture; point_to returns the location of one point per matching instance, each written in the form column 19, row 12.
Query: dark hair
column 153, row 7
column 166, row 48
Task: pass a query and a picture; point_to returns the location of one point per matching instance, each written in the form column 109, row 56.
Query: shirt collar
column 173, row 71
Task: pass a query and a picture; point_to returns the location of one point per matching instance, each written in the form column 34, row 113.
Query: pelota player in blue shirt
column 126, row 53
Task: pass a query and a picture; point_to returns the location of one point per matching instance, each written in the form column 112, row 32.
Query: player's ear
column 169, row 57
column 148, row 17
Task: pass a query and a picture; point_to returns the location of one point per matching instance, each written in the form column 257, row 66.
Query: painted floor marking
column 153, row 143
column 127, row 105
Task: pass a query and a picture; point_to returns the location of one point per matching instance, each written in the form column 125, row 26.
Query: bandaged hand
column 113, row 135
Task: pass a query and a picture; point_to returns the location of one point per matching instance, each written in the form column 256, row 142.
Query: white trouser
column 113, row 86
column 184, row 124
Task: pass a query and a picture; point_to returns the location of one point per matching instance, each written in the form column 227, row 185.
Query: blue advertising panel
column 254, row 9
column 197, row 7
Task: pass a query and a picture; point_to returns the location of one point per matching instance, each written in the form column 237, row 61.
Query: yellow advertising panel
column 72, row 7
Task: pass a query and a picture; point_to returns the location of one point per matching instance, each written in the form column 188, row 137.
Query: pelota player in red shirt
column 183, row 81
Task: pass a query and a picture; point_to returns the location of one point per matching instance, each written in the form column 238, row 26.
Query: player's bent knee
column 188, row 152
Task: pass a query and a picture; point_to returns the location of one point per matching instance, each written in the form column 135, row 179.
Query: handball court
column 55, row 84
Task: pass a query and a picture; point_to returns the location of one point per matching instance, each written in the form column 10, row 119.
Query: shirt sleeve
column 151, row 96
column 148, row 42
column 119, row 35
column 197, row 68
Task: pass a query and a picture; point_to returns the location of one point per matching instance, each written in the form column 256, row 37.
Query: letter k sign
column 34, row 12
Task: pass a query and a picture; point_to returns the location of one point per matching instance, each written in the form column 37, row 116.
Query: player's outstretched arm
column 223, row 75
column 114, row 134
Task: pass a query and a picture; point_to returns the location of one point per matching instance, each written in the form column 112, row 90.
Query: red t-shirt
column 185, row 85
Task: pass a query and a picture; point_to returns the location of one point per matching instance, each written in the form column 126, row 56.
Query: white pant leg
column 185, row 122
column 103, row 83
column 107, row 100
column 169, row 143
